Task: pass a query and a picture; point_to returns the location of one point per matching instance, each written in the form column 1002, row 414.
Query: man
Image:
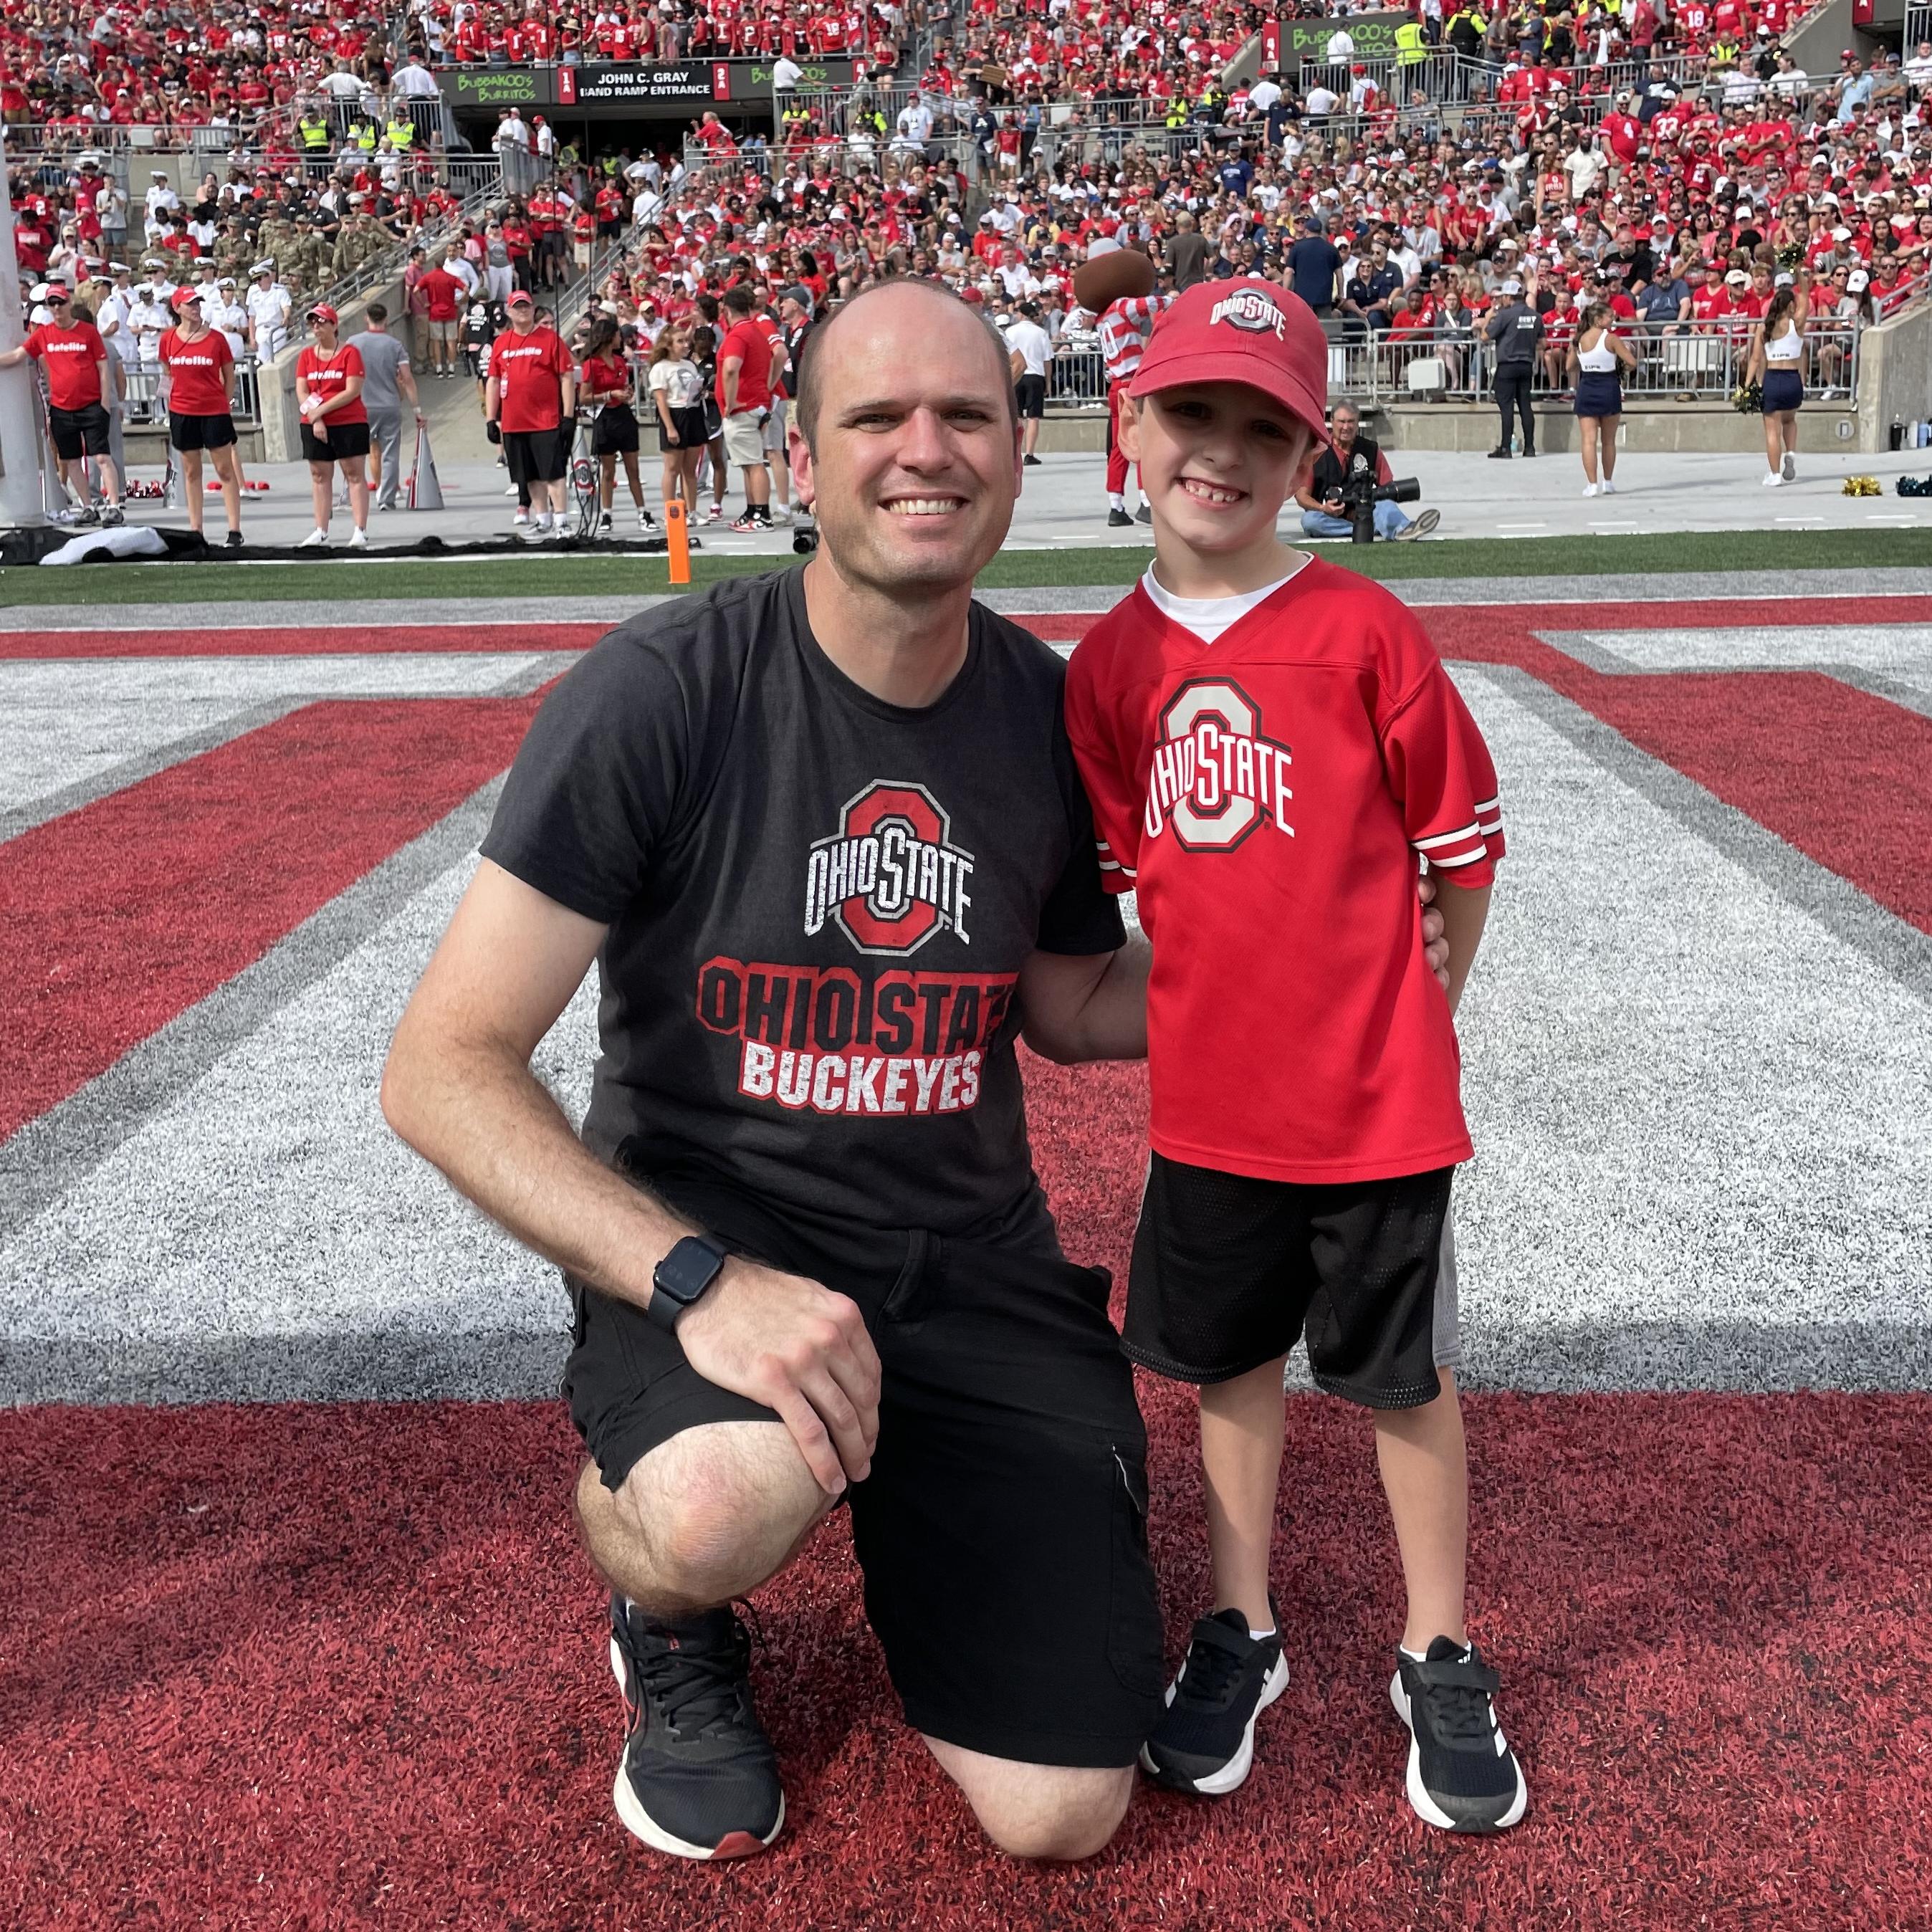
column 415, row 86
column 1029, row 350
column 75, row 358
column 269, row 306
column 744, row 394
column 958, row 1384
column 529, row 404
column 1186, row 252
column 1516, row 329
column 786, row 75
column 443, row 294
column 1313, row 264
column 388, row 383
column 1351, row 456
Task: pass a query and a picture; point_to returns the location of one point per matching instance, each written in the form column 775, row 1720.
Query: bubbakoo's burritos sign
column 1373, row 34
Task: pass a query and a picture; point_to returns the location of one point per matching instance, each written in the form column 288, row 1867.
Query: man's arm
column 727, row 371
column 458, row 1087
column 1464, row 910
column 406, row 385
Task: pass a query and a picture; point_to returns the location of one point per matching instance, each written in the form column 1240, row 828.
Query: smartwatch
column 681, row 1277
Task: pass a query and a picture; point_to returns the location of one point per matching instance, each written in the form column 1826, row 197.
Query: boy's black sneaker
column 1119, row 519
column 1204, row 1741
column 1463, row 1777
column 698, row 1777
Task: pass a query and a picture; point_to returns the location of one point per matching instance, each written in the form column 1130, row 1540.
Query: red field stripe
column 300, row 641
column 1843, row 776
column 114, row 918
column 287, row 1666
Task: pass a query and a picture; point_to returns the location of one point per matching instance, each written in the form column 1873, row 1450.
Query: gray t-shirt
column 381, row 356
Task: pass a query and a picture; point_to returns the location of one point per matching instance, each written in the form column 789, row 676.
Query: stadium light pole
column 22, row 504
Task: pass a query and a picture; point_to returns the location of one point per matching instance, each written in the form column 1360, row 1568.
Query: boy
column 1271, row 745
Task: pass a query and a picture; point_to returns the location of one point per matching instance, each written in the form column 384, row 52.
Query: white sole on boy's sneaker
column 1234, row 1773
column 1424, row 1807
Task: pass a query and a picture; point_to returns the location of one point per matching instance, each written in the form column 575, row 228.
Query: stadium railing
column 1706, row 364
column 142, row 408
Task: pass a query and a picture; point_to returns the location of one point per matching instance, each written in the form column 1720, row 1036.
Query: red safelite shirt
column 529, row 370
column 1268, row 795
column 327, row 375
column 747, row 339
column 197, row 373
column 73, row 357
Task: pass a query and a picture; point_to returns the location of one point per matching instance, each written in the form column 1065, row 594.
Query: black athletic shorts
column 187, row 432
column 344, row 443
column 1030, row 396
column 1003, row 1529
column 615, row 431
column 82, row 432
column 537, row 455
column 1228, row 1270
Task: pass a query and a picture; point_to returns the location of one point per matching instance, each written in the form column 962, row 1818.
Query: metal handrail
column 381, row 270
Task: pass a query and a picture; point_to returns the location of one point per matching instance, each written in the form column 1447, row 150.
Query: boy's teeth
column 1212, row 495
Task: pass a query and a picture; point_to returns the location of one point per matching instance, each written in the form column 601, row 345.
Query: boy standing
column 1272, row 746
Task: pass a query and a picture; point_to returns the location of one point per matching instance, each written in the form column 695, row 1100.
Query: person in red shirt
column 444, row 293
column 198, row 388
column 528, row 402
column 75, row 359
column 334, row 426
column 744, row 392
column 1278, row 888
column 608, row 383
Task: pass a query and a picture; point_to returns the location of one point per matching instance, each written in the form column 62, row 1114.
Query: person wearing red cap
column 75, row 358
column 528, row 402
column 198, row 390
column 334, row 426
column 1273, row 749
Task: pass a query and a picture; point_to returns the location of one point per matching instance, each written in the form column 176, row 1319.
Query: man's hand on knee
column 798, row 1349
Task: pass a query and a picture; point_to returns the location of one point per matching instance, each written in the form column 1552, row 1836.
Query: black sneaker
column 750, row 521
column 1144, row 514
column 1032, row 462
column 234, row 539
column 1499, row 455
column 1119, row 519
column 1461, row 1776
column 1204, row 1742
column 698, row 1778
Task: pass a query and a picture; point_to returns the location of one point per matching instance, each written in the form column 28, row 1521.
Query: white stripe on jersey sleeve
column 1445, row 838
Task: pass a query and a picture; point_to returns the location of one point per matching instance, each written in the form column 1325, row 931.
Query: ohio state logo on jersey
column 890, row 876
column 1213, row 777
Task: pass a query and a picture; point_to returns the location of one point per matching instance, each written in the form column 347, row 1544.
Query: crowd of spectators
column 512, row 33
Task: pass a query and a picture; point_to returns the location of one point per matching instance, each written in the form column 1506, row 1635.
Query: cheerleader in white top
column 1598, row 357
column 1778, row 362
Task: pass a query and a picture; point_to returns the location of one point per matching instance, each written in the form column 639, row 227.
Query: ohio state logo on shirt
column 890, row 876
column 1213, row 777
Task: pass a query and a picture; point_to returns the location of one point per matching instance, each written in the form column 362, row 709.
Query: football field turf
column 299, row 1634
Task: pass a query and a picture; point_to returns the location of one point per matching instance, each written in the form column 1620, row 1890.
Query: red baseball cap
column 182, row 298
column 1246, row 331
column 322, row 312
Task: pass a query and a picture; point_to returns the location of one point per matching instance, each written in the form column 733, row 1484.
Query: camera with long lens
column 804, row 535
column 1360, row 493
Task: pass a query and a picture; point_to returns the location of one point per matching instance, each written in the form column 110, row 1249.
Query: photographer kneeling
column 1324, row 504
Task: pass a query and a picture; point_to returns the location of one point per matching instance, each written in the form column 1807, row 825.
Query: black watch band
column 683, row 1275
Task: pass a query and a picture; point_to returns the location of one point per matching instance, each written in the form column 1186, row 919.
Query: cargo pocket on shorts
column 1133, row 1615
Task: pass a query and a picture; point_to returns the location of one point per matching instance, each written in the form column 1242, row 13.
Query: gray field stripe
column 1896, row 948
column 405, row 1363
column 535, row 676
column 144, row 765
column 51, row 1152
column 1895, row 690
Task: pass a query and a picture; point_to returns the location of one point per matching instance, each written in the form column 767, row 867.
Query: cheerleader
column 1597, row 360
column 1777, row 361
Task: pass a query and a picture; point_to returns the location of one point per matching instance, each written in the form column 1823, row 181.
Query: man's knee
column 710, row 1513
column 1038, row 1810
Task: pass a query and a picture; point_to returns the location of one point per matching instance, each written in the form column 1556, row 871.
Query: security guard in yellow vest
column 365, row 134
column 1410, row 49
column 402, row 132
column 314, row 130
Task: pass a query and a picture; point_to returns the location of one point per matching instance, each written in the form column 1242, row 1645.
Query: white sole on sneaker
column 1234, row 1773
column 641, row 1824
column 1424, row 1807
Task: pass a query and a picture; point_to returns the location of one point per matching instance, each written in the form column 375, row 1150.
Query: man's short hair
column 377, row 313
column 806, row 410
column 739, row 299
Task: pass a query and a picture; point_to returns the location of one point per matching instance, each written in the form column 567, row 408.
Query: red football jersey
column 1269, row 796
